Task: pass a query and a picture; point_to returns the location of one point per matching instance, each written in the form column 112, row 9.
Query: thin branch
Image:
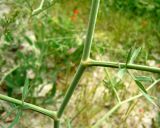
column 91, row 27
column 41, row 8
column 71, row 90
column 121, row 65
column 69, row 93
column 46, row 112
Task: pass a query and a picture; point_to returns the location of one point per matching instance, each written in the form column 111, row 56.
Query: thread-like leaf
column 129, row 57
column 25, row 89
column 16, row 119
column 144, row 78
column 8, row 113
column 140, row 85
column 69, row 124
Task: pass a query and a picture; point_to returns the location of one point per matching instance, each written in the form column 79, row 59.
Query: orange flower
column 75, row 11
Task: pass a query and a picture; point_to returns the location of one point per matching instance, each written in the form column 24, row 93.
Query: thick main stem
column 46, row 112
column 91, row 28
column 69, row 93
column 70, row 90
column 85, row 56
column 121, row 65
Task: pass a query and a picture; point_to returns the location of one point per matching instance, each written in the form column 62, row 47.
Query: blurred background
column 44, row 49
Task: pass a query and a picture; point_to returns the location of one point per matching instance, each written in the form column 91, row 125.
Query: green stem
column 91, row 27
column 46, row 112
column 121, row 65
column 71, row 89
column 99, row 122
column 85, row 56
column 56, row 123
column 69, row 93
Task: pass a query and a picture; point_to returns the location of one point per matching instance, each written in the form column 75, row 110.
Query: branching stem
column 46, row 112
column 121, row 65
column 85, row 62
column 85, row 56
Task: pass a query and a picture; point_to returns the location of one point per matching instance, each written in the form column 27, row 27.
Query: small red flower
column 75, row 11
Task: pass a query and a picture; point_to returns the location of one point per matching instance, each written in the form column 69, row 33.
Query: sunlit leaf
column 135, row 55
column 121, row 73
column 132, row 55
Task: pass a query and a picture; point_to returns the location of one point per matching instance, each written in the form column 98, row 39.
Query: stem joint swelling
column 86, row 62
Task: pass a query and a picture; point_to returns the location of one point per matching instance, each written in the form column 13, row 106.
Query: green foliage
column 139, row 7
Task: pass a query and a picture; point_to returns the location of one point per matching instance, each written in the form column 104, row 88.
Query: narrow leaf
column 69, row 124
column 135, row 55
column 129, row 56
column 140, row 85
column 132, row 55
column 144, row 78
column 28, row 40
